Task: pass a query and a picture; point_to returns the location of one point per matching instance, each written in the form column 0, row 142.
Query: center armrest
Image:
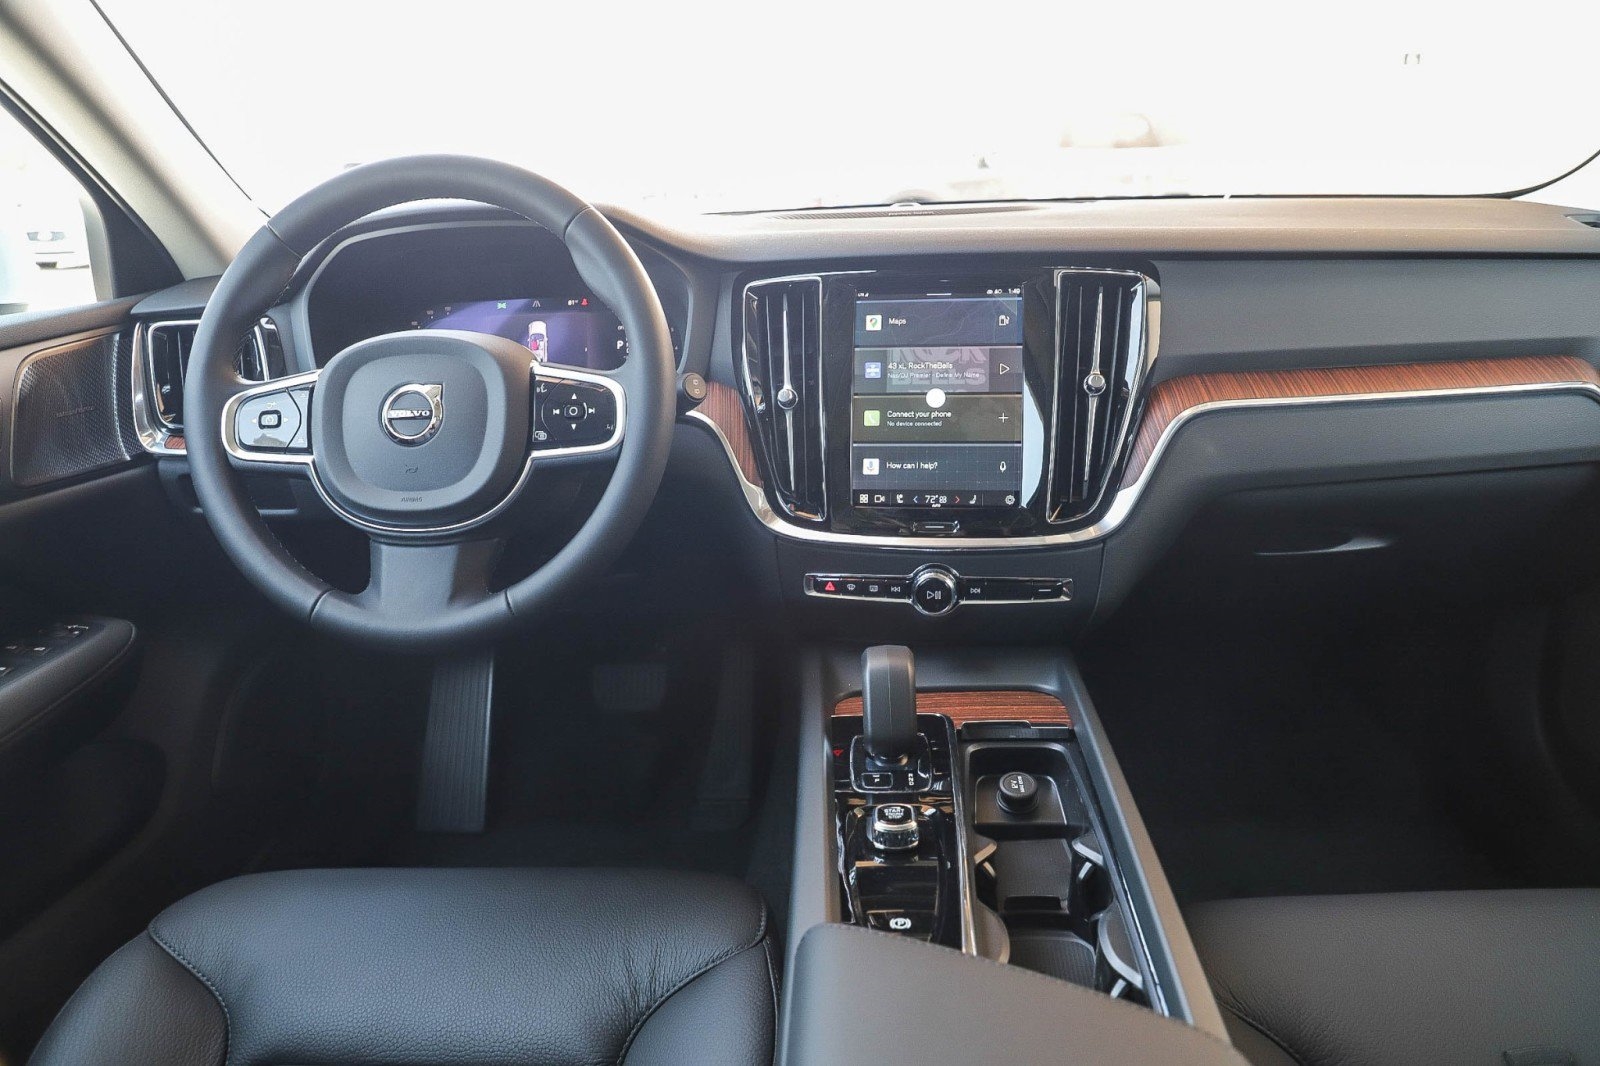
column 862, row 996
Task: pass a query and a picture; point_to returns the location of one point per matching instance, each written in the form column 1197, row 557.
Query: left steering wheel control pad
column 277, row 421
column 422, row 430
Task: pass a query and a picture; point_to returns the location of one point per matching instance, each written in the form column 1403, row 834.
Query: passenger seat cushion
column 441, row 966
column 1427, row 977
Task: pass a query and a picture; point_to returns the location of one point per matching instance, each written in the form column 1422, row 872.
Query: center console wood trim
column 979, row 706
column 1172, row 400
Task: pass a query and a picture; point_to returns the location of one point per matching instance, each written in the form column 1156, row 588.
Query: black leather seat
column 436, row 966
column 1502, row 978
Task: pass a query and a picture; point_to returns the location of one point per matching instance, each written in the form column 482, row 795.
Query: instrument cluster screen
column 572, row 330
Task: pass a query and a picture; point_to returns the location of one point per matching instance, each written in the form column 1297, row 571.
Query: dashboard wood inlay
column 962, row 707
column 1171, row 399
column 724, row 408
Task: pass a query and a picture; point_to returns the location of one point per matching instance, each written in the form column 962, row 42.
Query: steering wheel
column 421, row 438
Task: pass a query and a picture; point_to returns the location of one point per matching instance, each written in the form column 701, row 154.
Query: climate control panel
column 937, row 590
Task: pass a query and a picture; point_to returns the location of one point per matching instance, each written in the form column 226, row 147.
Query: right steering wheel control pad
column 568, row 412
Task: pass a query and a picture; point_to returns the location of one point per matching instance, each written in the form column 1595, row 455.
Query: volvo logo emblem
column 412, row 414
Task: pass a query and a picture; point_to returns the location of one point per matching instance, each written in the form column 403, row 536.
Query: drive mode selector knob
column 893, row 827
column 1019, row 792
column 933, row 591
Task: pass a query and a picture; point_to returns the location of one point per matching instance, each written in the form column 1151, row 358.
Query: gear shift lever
column 889, row 701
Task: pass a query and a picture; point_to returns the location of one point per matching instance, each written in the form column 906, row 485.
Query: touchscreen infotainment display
column 937, row 400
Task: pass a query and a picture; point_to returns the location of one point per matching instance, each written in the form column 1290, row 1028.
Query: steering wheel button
column 301, row 440
column 269, row 422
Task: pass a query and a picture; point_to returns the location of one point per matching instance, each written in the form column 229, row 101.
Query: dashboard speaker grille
column 66, row 420
column 783, row 389
column 1101, row 345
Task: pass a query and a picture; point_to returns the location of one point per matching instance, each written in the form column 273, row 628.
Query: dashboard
column 1020, row 410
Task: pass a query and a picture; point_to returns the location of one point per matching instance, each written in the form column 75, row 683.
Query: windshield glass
column 718, row 106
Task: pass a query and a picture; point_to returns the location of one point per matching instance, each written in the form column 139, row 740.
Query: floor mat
column 599, row 744
column 1273, row 762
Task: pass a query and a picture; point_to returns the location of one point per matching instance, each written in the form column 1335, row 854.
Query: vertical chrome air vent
column 166, row 363
column 783, row 389
column 1102, row 348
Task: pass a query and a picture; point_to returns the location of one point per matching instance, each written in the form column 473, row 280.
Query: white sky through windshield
column 721, row 106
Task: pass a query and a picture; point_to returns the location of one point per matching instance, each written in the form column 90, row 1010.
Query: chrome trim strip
column 1156, row 994
column 153, row 436
column 958, row 789
column 1127, row 497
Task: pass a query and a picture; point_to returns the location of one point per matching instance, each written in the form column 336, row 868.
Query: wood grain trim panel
column 963, row 707
column 723, row 407
column 1171, row 399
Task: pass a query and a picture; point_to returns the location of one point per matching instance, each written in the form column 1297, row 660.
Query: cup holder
column 1049, row 877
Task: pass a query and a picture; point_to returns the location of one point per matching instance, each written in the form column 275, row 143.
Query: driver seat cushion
column 436, row 966
column 1499, row 977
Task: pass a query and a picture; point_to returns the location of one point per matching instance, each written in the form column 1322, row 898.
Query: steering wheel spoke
column 421, row 580
column 270, row 423
column 578, row 415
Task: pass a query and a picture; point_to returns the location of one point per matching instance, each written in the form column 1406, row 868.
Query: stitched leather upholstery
column 436, row 966
column 1411, row 978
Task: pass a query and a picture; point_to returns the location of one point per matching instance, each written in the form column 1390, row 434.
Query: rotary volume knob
column 893, row 827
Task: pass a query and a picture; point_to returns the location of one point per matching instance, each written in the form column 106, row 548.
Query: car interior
column 450, row 615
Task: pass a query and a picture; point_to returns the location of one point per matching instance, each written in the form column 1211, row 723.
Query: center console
column 942, row 446
column 964, row 802
column 965, row 826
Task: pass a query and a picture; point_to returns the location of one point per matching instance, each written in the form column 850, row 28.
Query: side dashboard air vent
column 783, row 389
column 166, row 363
column 1102, row 345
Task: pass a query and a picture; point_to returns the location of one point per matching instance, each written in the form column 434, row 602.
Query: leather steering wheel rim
column 258, row 278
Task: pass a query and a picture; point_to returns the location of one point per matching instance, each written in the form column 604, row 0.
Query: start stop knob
column 933, row 591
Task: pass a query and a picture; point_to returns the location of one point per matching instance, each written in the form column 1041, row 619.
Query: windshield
column 720, row 107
